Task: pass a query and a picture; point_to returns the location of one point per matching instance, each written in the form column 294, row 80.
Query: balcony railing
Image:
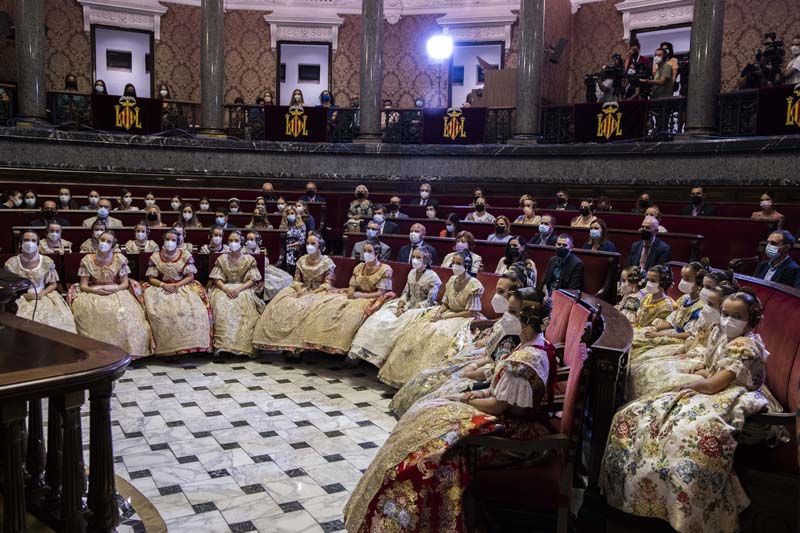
column 738, row 113
column 8, row 103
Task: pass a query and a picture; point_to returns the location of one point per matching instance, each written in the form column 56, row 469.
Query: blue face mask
column 772, row 251
column 371, row 233
column 326, row 98
column 291, row 219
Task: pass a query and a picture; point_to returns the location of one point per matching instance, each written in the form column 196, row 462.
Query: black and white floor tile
column 219, row 445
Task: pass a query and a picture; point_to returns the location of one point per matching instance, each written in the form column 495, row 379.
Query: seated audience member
column 13, row 200
column 431, row 212
column 65, row 201
column 643, row 203
column 149, row 200
column 393, row 209
column 152, row 217
column 49, row 214
column 221, row 219
column 386, row 227
column 383, row 251
column 650, row 250
column 452, row 226
column 517, row 256
column 180, row 232
column 603, row 205
column 528, row 205
column 311, row 194
column 417, row 237
column 233, row 206
column 140, row 244
column 90, row 245
column 480, row 214
column 294, row 240
column 189, row 217
column 280, row 205
column 216, row 242
column 425, row 196
column 791, row 73
column 502, row 227
column 630, row 292
column 359, row 208
column 654, row 211
column 125, row 201
column 268, row 192
column 302, row 211
column 562, row 201
column 175, row 203
column 598, row 238
column 699, row 207
column 29, row 200
column 768, row 211
column 585, row 216
column 547, row 232
column 129, row 90
column 565, row 270
column 103, row 209
column 99, row 87
column 779, row 266
column 656, row 305
column 465, row 242
column 53, row 243
column 259, row 220
column 204, row 206
column 93, row 198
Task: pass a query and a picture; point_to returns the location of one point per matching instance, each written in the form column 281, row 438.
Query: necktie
column 645, row 254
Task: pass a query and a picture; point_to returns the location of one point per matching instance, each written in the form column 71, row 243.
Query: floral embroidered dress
column 670, row 456
column 89, row 246
column 181, row 321
column 376, row 338
column 424, row 342
column 281, row 325
column 331, row 324
column 235, row 319
column 417, row 480
column 207, row 249
column 275, row 279
column 651, row 310
column 117, row 318
column 295, row 237
column 682, row 319
column 63, row 247
column 133, row 247
column 629, row 305
column 51, row 310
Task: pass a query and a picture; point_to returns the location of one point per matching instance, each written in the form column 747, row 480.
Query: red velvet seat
column 556, row 331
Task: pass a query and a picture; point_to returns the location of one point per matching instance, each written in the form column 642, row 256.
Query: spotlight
column 440, row 47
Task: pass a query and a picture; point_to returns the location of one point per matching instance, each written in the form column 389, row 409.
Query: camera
column 614, row 71
column 766, row 68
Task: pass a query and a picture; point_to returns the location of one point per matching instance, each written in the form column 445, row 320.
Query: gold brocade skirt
column 117, row 319
column 51, row 310
column 181, row 321
column 281, row 324
column 234, row 320
column 422, row 345
column 378, row 335
column 333, row 322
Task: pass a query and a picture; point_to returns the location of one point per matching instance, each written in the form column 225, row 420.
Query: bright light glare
column 440, row 47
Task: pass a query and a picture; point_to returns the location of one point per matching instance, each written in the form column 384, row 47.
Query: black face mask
column 500, row 230
column 360, row 195
column 311, row 192
column 645, row 234
column 152, row 216
column 513, row 251
column 584, row 211
column 697, row 200
column 394, row 208
column 644, row 204
column 561, row 201
column 562, row 252
column 49, row 213
column 480, row 208
column 72, row 84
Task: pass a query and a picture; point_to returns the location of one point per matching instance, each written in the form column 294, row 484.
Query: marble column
column 705, row 57
column 371, row 72
column 212, row 68
column 529, row 71
column 30, row 45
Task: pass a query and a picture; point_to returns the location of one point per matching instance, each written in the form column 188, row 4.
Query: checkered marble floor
column 238, row 445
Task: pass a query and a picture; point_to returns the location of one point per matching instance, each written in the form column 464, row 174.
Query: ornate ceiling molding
column 480, row 24
column 133, row 14
column 297, row 24
column 576, row 4
column 638, row 14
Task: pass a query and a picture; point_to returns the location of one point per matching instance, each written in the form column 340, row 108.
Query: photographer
column 765, row 71
column 791, row 74
column 636, row 66
column 663, row 81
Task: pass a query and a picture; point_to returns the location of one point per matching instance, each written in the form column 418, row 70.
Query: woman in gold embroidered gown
column 53, row 243
column 418, row 478
column 89, row 246
column 107, row 305
column 141, row 244
column 656, row 304
column 177, row 306
column 376, row 338
column 215, row 242
column 331, row 324
column 424, row 342
column 43, row 297
column 233, row 300
column 280, row 327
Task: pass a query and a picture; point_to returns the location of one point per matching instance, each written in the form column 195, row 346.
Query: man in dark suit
column 49, row 214
column 425, row 196
column 565, row 270
column 311, row 194
column 547, row 232
column 778, row 266
column 417, row 236
column 386, row 227
column 650, row 250
column 268, row 192
column 699, row 207
column 562, row 201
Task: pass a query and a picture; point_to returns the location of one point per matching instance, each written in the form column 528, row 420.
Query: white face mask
column 765, row 204
column 99, row 88
column 94, row 199
column 234, row 246
column 216, row 240
column 149, row 202
column 685, row 287
column 595, row 233
column 141, row 236
column 104, row 246
column 372, row 233
column 499, row 304
column 127, row 200
column 414, row 236
column 54, row 235
column 252, row 244
column 29, row 247
column 205, row 207
column 163, row 93
column 311, row 249
column 705, row 294
column 97, row 233
column 234, row 210
column 652, row 287
column 378, row 219
column 299, row 208
column 458, row 270
column 17, row 202
column 710, row 315
column 30, row 202
column 424, row 194
column 511, row 324
column 658, row 59
column 281, row 207
column 461, row 246
column 795, row 50
column 170, row 246
column 416, row 263
column 175, row 205
column 187, row 216
column 64, row 198
column 369, row 257
column 732, row 327
column 544, row 229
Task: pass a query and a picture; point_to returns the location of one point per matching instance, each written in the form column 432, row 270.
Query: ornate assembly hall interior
column 400, row 266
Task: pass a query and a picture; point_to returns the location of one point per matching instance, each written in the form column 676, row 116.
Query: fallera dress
column 51, row 310
column 235, row 319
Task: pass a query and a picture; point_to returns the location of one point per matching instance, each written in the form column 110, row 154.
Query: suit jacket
column 388, row 228
column 317, row 198
column 660, row 254
column 607, row 246
column 570, row 277
column 550, row 241
column 405, row 253
column 43, row 222
column 358, row 251
column 787, row 273
column 111, row 222
column 430, row 201
column 706, row 210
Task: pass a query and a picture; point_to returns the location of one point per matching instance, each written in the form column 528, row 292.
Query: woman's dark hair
column 143, row 223
column 320, row 239
column 454, row 219
column 700, row 269
column 523, row 251
column 665, row 275
column 469, row 237
column 71, row 82
column 670, row 50
column 723, row 276
column 132, row 90
column 513, row 275
column 603, row 227
column 755, row 311
column 94, row 87
column 535, row 307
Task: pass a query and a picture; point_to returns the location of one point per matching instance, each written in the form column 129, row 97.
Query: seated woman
column 42, row 297
column 417, row 480
column 89, row 246
column 275, row 279
column 125, row 201
column 180, row 232
column 471, row 347
column 480, row 214
column 598, row 237
column 656, row 304
column 215, row 244
column 465, row 241
column 177, row 305
column 293, row 240
column 502, row 226
column 189, row 217
column 630, row 292
column 153, row 217
column 670, row 456
column 331, row 325
column 107, row 306
column 517, row 255
column 141, row 244
column 424, row 342
column 768, row 211
column 149, row 200
column 585, row 215
column 234, row 303
column 376, row 338
column 259, row 219
column 54, row 244
column 280, row 326
column 452, row 226
column 528, row 205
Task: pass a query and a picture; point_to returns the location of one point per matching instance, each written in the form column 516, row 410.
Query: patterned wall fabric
column 177, row 61
column 8, row 58
column 68, row 48
column 347, row 61
column 249, row 61
column 557, row 25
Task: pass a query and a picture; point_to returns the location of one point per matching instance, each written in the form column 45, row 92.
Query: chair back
column 575, row 395
column 344, row 271
column 556, row 330
column 580, row 318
